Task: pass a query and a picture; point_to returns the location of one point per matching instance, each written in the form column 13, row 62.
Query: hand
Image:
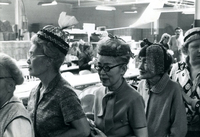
column 98, row 132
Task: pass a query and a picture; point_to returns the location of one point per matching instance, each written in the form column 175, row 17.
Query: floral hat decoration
column 56, row 35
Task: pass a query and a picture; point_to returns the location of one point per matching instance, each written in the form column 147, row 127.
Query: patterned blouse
column 55, row 110
column 180, row 73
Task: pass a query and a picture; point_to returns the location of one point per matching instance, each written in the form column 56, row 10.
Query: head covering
column 56, row 35
column 191, row 35
column 113, row 46
column 157, row 58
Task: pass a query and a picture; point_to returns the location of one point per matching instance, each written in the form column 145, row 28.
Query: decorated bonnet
column 190, row 35
column 157, row 58
column 56, row 35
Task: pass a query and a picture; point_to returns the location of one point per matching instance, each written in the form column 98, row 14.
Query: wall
column 38, row 15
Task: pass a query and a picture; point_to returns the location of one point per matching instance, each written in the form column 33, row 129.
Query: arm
column 74, row 116
column 178, row 115
column 137, row 118
column 19, row 127
column 141, row 132
column 80, row 128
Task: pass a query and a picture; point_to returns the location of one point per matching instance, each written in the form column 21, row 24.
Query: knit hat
column 114, row 46
column 56, row 35
column 157, row 58
column 190, row 35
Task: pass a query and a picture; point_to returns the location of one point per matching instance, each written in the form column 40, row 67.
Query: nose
column 28, row 61
column 140, row 66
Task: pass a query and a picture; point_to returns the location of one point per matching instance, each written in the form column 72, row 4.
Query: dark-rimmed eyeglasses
column 106, row 68
column 4, row 77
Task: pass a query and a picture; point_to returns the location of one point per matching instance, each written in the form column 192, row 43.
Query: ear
column 123, row 69
column 49, row 62
column 10, row 86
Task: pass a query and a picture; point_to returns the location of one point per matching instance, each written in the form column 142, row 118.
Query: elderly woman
column 163, row 100
column 15, row 120
column 118, row 108
column 187, row 74
column 54, row 106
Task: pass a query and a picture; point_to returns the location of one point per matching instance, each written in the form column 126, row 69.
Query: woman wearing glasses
column 54, row 106
column 118, row 108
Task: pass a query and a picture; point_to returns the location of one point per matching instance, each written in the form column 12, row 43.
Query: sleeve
column 19, row 127
column 178, row 115
column 83, row 64
column 71, row 107
column 136, row 113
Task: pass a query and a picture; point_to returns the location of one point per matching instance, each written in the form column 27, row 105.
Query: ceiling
column 93, row 3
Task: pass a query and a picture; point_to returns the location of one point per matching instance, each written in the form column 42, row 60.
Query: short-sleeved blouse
column 122, row 115
column 59, row 106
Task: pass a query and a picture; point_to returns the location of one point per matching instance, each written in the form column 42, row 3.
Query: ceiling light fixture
column 130, row 11
column 5, row 3
column 106, row 8
column 48, row 3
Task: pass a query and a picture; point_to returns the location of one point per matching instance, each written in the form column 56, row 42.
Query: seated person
column 85, row 58
column 15, row 120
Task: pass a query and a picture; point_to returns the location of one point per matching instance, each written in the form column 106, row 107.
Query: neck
column 5, row 98
column 194, row 71
column 116, row 85
column 47, row 78
column 153, row 81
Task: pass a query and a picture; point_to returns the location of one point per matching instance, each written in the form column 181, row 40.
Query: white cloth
column 19, row 127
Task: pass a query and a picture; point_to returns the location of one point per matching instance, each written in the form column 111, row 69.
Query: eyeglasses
column 4, row 77
column 31, row 56
column 106, row 68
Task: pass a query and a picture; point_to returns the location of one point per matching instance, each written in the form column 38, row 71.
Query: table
column 74, row 69
column 78, row 82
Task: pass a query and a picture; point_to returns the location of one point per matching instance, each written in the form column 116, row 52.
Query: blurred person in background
column 118, row 108
column 86, row 59
column 187, row 74
column 164, row 40
column 164, row 109
column 54, row 106
column 14, row 118
column 176, row 43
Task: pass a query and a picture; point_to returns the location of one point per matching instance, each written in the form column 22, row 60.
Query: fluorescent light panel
column 106, row 8
column 130, row 11
column 5, row 3
column 48, row 3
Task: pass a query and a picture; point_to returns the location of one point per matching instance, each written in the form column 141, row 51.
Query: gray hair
column 50, row 51
column 12, row 68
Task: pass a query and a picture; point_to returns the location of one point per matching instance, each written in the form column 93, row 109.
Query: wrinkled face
column 145, row 72
column 194, row 52
column 37, row 61
column 110, row 78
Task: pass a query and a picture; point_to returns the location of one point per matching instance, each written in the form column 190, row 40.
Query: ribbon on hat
column 46, row 34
